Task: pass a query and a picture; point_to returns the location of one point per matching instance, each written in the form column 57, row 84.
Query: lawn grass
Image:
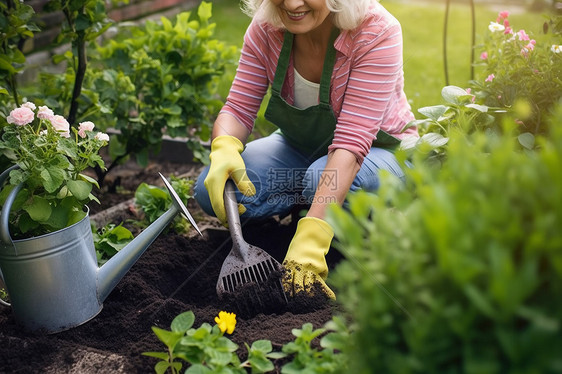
column 422, row 25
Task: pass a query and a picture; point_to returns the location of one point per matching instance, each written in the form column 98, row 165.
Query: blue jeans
column 285, row 178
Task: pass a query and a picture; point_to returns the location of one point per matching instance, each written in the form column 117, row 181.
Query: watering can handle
column 5, row 214
column 4, row 230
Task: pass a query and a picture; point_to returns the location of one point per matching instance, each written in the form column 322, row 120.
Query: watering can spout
column 110, row 273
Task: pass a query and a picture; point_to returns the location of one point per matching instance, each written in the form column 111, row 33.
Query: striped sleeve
column 252, row 78
column 373, row 98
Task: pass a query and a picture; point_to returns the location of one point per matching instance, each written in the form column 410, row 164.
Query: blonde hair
column 347, row 14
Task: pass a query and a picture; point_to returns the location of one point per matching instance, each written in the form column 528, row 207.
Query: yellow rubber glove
column 226, row 163
column 305, row 262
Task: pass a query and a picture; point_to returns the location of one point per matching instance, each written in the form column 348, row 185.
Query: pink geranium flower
column 21, row 116
column 490, row 78
column 62, row 126
column 83, row 127
column 45, row 113
column 29, row 105
column 523, row 35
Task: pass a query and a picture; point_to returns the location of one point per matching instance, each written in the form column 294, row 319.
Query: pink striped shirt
column 367, row 82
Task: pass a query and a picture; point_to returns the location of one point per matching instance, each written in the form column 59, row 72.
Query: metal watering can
column 54, row 281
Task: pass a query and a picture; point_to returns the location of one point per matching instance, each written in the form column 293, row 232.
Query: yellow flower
column 226, row 322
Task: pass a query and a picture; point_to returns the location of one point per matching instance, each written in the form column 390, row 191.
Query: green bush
column 160, row 78
column 459, row 270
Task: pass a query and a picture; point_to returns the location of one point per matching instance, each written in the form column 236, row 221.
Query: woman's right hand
column 226, row 163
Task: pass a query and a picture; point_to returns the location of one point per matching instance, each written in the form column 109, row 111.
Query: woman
column 336, row 78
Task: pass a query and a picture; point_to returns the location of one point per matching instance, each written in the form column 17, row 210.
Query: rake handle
column 233, row 218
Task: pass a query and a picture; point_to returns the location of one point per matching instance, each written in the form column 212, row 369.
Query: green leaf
column 160, row 355
column 6, row 65
column 262, row 346
column 52, row 178
column 183, row 322
column 198, row 369
column 527, row 140
column 480, row 108
column 89, row 179
column 455, row 95
column 169, row 338
column 433, row 112
column 479, row 300
column 39, row 210
column 205, row 11
column 434, row 139
column 161, row 367
column 80, row 189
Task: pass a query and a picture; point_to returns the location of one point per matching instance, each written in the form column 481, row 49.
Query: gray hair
column 347, row 14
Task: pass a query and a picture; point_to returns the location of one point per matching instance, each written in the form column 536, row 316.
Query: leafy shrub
column 461, row 269
column 160, row 78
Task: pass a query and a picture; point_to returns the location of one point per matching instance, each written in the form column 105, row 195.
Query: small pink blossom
column 45, row 113
column 523, row 35
column 504, row 14
column 29, row 105
column 484, row 56
column 490, row 78
column 61, row 125
column 83, row 127
column 21, row 116
column 102, row 136
column 508, row 31
column 468, row 91
column 506, row 23
column 528, row 48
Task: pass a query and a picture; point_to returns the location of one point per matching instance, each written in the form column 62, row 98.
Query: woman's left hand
column 305, row 263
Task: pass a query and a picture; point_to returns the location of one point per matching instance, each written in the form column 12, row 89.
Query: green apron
column 310, row 130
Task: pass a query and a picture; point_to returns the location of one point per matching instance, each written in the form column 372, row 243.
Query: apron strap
column 329, row 62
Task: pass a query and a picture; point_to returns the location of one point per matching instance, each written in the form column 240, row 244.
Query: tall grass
column 422, row 25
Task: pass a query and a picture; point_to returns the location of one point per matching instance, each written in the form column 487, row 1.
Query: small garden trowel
column 247, row 266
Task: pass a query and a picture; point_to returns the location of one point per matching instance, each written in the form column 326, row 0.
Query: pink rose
column 60, row 124
column 484, row 56
column 83, row 127
column 21, row 116
column 45, row 113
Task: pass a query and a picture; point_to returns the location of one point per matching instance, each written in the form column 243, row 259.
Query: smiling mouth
column 296, row 14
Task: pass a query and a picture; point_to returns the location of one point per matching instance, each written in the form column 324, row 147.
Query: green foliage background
column 462, row 267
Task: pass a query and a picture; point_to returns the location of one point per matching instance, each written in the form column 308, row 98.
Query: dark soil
column 176, row 274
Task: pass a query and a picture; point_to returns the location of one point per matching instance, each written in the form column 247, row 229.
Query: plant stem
column 448, row 3
column 473, row 39
column 80, row 73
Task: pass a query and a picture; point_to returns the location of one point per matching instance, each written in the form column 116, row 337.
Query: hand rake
column 247, row 267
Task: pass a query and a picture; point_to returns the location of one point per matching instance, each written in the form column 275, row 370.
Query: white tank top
column 306, row 92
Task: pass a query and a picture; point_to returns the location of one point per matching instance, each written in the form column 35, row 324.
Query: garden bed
column 176, row 274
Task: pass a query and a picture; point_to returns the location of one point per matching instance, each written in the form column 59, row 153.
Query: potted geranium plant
column 50, row 271
column 48, row 158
